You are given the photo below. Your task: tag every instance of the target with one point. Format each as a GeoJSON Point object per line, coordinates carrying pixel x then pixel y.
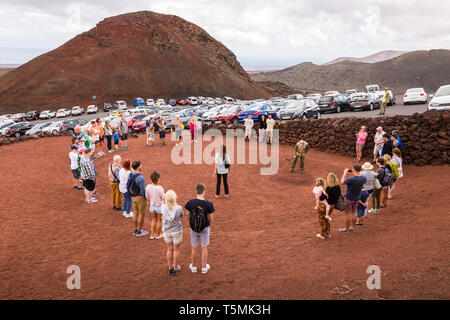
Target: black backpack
{"type": "Point", "coordinates": [197, 217]}
{"type": "Point", "coordinates": [132, 187]}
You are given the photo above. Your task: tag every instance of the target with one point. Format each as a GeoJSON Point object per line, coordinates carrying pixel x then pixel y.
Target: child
{"type": "Point", "coordinates": [154, 193]}
{"type": "Point", "coordinates": [74, 156]}
{"type": "Point", "coordinates": [116, 137]}
{"type": "Point", "coordinates": [151, 137]}
{"type": "Point", "coordinates": [361, 210]}
{"type": "Point", "coordinates": [321, 196]}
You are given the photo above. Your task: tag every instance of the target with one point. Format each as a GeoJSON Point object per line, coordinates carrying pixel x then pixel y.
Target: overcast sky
{"type": "Point", "coordinates": [259, 32]}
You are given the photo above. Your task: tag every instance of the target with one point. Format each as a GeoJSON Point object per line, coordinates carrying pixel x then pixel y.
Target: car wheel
{"type": "Point", "coordinates": [54, 132]}
{"type": "Point", "coordinates": [338, 109]}
{"type": "Point", "coordinates": [371, 107]}
{"type": "Point", "coordinates": [304, 116]}
{"type": "Point", "coordinates": [17, 135]}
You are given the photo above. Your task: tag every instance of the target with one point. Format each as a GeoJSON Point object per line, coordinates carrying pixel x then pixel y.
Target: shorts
{"type": "Point", "coordinates": [200, 238]}
{"type": "Point", "coordinates": [98, 141]}
{"type": "Point", "coordinates": [89, 185]}
{"type": "Point", "coordinates": [156, 209]}
{"type": "Point", "coordinates": [350, 205]}
{"type": "Point", "coordinates": [361, 212]}
{"type": "Point", "coordinates": [116, 141]}
{"type": "Point", "coordinates": [75, 174]}
{"type": "Point", "coordinates": [139, 204]}
{"type": "Point", "coordinates": [370, 191]}
{"type": "Point", "coordinates": [376, 149]}
{"type": "Point", "coordinates": [124, 136]}
{"type": "Point", "coordinates": [162, 134]}
{"type": "Point", "coordinates": [360, 145]}
{"type": "Point", "coordinates": [173, 237]}
{"type": "Point", "coordinates": [269, 133]}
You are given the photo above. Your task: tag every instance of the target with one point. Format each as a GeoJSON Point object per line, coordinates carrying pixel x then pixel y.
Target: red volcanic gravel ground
{"type": "Point", "coordinates": [263, 243]}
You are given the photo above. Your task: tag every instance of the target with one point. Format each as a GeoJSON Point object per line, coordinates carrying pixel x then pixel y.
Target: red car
{"type": "Point", "coordinates": [228, 115]}
{"type": "Point", "coordinates": [181, 102]}
{"type": "Point", "coordinates": [133, 119]}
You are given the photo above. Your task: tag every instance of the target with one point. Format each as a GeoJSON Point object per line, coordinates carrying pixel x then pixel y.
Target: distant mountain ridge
{"type": "Point", "coordinates": [373, 58]}
{"type": "Point", "coordinates": [427, 69]}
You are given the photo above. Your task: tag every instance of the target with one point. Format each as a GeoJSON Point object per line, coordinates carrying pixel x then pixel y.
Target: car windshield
{"type": "Point", "coordinates": [443, 91]}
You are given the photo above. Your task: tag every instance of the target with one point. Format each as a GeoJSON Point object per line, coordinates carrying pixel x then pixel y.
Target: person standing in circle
{"type": "Point", "coordinates": [262, 128]}
{"type": "Point", "coordinates": [193, 128]}
{"type": "Point", "coordinates": [108, 134]}
{"type": "Point", "coordinates": [361, 138]}
{"type": "Point", "coordinates": [221, 169]}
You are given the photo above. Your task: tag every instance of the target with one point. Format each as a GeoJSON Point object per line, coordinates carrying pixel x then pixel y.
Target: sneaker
{"type": "Point", "coordinates": [135, 233]}
{"type": "Point", "coordinates": [110, 151]}
{"type": "Point", "coordinates": [125, 214]}
{"type": "Point", "coordinates": [170, 272]}
{"type": "Point", "coordinates": [193, 269]}
{"type": "Point", "coordinates": [177, 268]}
{"type": "Point", "coordinates": [92, 200]}
{"type": "Point", "coordinates": [205, 270]}
{"type": "Point", "coordinates": [80, 188]}
{"type": "Point", "coordinates": [95, 194]}
{"type": "Point", "coordinates": [370, 211]}
{"type": "Point", "coordinates": [152, 238]}
{"type": "Point", "coordinates": [114, 208]}
{"type": "Point", "coordinates": [118, 209]}
{"type": "Point", "coordinates": [141, 233]}
{"type": "Point", "coordinates": [175, 272]}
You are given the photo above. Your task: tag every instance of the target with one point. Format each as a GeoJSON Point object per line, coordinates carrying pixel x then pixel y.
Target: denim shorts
{"type": "Point", "coordinates": [156, 209]}
{"type": "Point", "coordinates": [361, 212]}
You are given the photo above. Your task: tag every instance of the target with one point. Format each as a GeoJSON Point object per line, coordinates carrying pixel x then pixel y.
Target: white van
{"type": "Point", "coordinates": [296, 96]}
{"type": "Point", "coordinates": [372, 88]}
{"type": "Point", "coordinates": [228, 100]}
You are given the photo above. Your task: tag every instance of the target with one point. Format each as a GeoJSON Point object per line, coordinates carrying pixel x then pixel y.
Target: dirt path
{"type": "Point", "coordinates": [263, 243]}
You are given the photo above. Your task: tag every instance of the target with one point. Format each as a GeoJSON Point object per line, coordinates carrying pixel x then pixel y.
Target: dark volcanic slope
{"type": "Point", "coordinates": [141, 54]}
{"type": "Point", "coordinates": [427, 69]}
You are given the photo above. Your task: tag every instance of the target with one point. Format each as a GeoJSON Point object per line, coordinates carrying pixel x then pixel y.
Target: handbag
{"type": "Point", "coordinates": [340, 204]}
{"type": "Point", "coordinates": [376, 184]}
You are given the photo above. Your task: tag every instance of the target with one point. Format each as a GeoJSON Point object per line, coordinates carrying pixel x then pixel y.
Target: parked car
{"type": "Point", "coordinates": [334, 103]}
{"type": "Point", "coordinates": [119, 113]}
{"type": "Point", "coordinates": [228, 115]}
{"type": "Point", "coordinates": [441, 99]}
{"type": "Point", "coordinates": [61, 113]}
{"type": "Point", "coordinates": [217, 101]}
{"type": "Point", "coordinates": [69, 125]}
{"type": "Point", "coordinates": [309, 109]}
{"type": "Point", "coordinates": [54, 128]}
{"type": "Point", "coordinates": [150, 103]}
{"type": "Point", "coordinates": [92, 109]}
{"type": "Point", "coordinates": [415, 95]}
{"type": "Point", "coordinates": [364, 101]}
{"type": "Point", "coordinates": [4, 125]}
{"type": "Point", "coordinates": [295, 96]}
{"type": "Point", "coordinates": [45, 114]}
{"type": "Point", "coordinates": [133, 119]}
{"type": "Point", "coordinates": [77, 111]}
{"type": "Point", "coordinates": [16, 130]}
{"type": "Point", "coordinates": [289, 109]}
{"type": "Point", "coordinates": [314, 96]}
{"type": "Point", "coordinates": [350, 92]}
{"type": "Point", "coordinates": [160, 102]}
{"type": "Point", "coordinates": [193, 101]}
{"type": "Point", "coordinates": [257, 111]}
{"type": "Point", "coordinates": [32, 115]}
{"type": "Point", "coordinates": [37, 129]}
{"type": "Point", "coordinates": [211, 113]}
{"type": "Point", "coordinates": [120, 105]}
{"type": "Point", "coordinates": [210, 100]}
{"type": "Point", "coordinates": [172, 102]}
{"type": "Point", "coordinates": [331, 93]}
{"type": "Point", "coordinates": [107, 106]}
{"type": "Point", "coordinates": [139, 102]}
{"type": "Point", "coordinates": [392, 98]}
{"type": "Point", "coordinates": [228, 100]}
{"type": "Point", "coordinates": [19, 117]}
{"type": "Point", "coordinates": [181, 102]}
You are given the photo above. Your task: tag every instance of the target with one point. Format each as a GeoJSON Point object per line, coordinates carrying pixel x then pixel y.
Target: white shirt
{"type": "Point", "coordinates": [123, 178]}
{"type": "Point", "coordinates": [379, 137]}
{"type": "Point", "coordinates": [248, 123]}
{"type": "Point", "coordinates": [73, 160]}
{"type": "Point", "coordinates": [221, 164]}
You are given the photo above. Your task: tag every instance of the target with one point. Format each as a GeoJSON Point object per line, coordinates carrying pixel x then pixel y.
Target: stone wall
{"type": "Point", "coordinates": [426, 135]}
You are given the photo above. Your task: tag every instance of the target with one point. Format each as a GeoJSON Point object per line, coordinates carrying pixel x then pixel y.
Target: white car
{"type": "Point", "coordinates": [61, 113]}
{"type": "Point", "coordinates": [296, 96]}
{"type": "Point", "coordinates": [92, 109]}
{"type": "Point", "coordinates": [331, 93]}
{"type": "Point", "coordinates": [210, 100]}
{"type": "Point", "coordinates": [52, 114]}
{"type": "Point", "coordinates": [160, 102]}
{"type": "Point", "coordinates": [228, 100]}
{"type": "Point", "coordinates": [193, 101]}
{"type": "Point", "coordinates": [121, 105]}
{"type": "Point", "coordinates": [441, 99]}
{"type": "Point", "coordinates": [415, 95]}
{"type": "Point", "coordinates": [54, 128]}
{"type": "Point", "coordinates": [45, 114]}
{"type": "Point", "coordinates": [218, 101]}
{"type": "Point", "coordinates": [372, 88]}
{"type": "Point", "coordinates": [77, 111]}
{"type": "Point", "coordinates": [150, 103]}
{"type": "Point", "coordinates": [351, 91]}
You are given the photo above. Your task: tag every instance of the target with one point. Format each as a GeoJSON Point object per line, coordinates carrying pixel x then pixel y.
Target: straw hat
{"type": "Point", "coordinates": [367, 166]}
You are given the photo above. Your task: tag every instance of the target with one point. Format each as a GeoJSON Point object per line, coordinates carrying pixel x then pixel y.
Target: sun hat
{"type": "Point", "coordinates": [367, 166]}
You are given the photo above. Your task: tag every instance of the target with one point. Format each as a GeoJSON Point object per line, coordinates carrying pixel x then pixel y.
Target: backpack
{"type": "Point", "coordinates": [197, 218]}
{"type": "Point", "coordinates": [394, 170]}
{"type": "Point", "coordinates": [132, 187]}
{"type": "Point", "coordinates": [387, 178]}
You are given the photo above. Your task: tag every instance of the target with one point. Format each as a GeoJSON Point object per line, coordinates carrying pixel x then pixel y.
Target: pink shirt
{"type": "Point", "coordinates": [155, 194]}
{"type": "Point", "coordinates": [362, 136]}
{"type": "Point", "coordinates": [317, 190]}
